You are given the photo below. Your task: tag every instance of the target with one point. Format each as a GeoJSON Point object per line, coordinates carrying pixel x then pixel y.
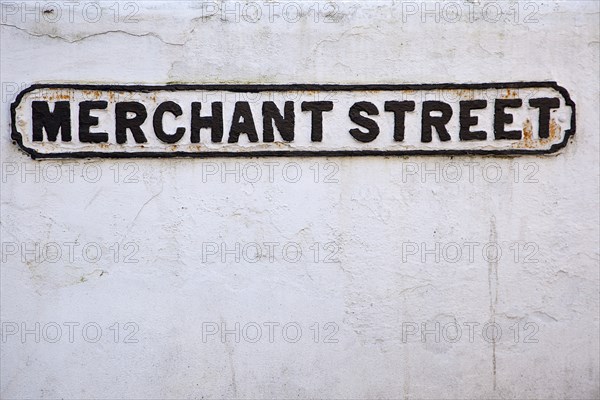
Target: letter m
{"type": "Point", "coordinates": [60, 118]}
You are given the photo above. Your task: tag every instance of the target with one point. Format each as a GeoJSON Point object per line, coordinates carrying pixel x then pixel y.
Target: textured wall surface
{"type": "Point", "coordinates": [375, 277]}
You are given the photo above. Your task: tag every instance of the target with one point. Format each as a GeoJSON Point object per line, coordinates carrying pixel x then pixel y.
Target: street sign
{"type": "Point", "coordinates": [64, 121]}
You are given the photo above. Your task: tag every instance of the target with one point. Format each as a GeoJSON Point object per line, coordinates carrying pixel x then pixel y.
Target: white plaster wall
{"type": "Point", "coordinates": [371, 211]}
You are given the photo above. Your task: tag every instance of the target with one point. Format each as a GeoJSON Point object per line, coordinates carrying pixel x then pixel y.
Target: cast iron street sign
{"type": "Point", "coordinates": [68, 121]}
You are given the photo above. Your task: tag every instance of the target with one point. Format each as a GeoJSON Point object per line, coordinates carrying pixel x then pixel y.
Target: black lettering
{"type": "Point", "coordinates": [501, 119]}
{"type": "Point", "coordinates": [285, 125]}
{"type": "Point", "coordinates": [399, 108]}
{"type": "Point", "coordinates": [428, 121]}
{"type": "Point", "coordinates": [214, 122]}
{"type": "Point", "coordinates": [242, 110]}
{"type": "Point", "coordinates": [317, 108]}
{"type": "Point", "coordinates": [545, 104]}
{"type": "Point", "coordinates": [467, 120]}
{"type": "Point", "coordinates": [122, 123]}
{"type": "Point", "coordinates": [371, 125]}
{"type": "Point", "coordinates": [59, 119]}
{"type": "Point", "coordinates": [173, 108]}
{"type": "Point", "coordinates": [86, 121]}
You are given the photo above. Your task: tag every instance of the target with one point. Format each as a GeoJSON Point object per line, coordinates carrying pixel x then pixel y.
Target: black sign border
{"type": "Point", "coordinates": [249, 88]}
